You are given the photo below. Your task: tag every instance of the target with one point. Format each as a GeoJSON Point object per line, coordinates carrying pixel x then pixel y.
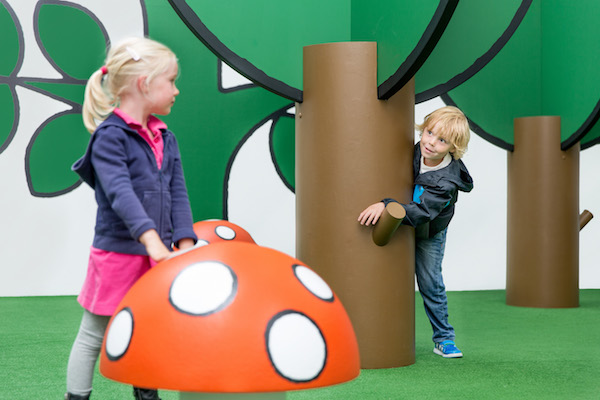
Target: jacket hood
{"type": "Point", "coordinates": [455, 173]}
{"type": "Point", "coordinates": [83, 167]}
{"type": "Point", "coordinates": [462, 179]}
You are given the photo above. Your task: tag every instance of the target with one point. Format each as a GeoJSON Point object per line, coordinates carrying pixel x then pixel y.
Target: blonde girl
{"type": "Point", "coordinates": [133, 164]}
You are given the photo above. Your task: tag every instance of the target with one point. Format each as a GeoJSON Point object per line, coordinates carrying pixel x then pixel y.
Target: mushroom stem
{"type": "Point", "coordinates": [232, 396]}
{"type": "Point", "coordinates": [390, 220]}
{"type": "Point", "coordinates": [584, 218]}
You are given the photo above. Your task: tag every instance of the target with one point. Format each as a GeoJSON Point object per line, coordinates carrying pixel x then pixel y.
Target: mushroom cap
{"type": "Point", "coordinates": [216, 230]}
{"type": "Point", "coordinates": [230, 317]}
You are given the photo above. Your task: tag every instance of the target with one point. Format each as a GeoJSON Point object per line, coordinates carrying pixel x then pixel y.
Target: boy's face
{"type": "Point", "coordinates": [433, 147]}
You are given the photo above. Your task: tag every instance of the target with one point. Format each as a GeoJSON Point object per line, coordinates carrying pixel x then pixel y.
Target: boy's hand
{"type": "Point", "coordinates": [154, 246]}
{"type": "Point", "coordinates": [371, 214]}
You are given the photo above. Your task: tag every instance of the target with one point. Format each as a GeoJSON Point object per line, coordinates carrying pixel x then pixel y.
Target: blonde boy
{"type": "Point", "coordinates": [439, 175]}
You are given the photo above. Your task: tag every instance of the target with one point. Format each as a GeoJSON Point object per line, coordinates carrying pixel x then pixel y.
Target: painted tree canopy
{"type": "Point", "coordinates": [266, 44]}
{"type": "Point", "coordinates": [548, 67]}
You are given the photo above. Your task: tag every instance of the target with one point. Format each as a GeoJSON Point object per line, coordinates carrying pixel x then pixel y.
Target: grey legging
{"type": "Point", "coordinates": [84, 354]}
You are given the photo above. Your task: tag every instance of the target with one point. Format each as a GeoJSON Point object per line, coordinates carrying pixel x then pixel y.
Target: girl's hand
{"type": "Point", "coordinates": [185, 243]}
{"type": "Point", "coordinates": [154, 246]}
{"type": "Point", "coordinates": [371, 214]}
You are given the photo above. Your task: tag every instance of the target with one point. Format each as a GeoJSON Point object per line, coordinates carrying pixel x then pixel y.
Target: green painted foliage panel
{"type": "Point", "coordinates": [9, 44]}
{"type": "Point", "coordinates": [571, 61]}
{"type": "Point", "coordinates": [77, 34]}
{"type": "Point", "coordinates": [271, 33]}
{"type": "Point", "coordinates": [509, 86]}
{"type": "Point", "coordinates": [8, 114]}
{"type": "Point", "coordinates": [208, 124]}
{"type": "Point", "coordinates": [284, 148]}
{"type": "Point", "coordinates": [474, 28]}
{"type": "Point", "coordinates": [71, 92]}
{"type": "Point", "coordinates": [54, 151]}
{"type": "Point", "coordinates": [592, 137]}
{"type": "Point", "coordinates": [396, 26]}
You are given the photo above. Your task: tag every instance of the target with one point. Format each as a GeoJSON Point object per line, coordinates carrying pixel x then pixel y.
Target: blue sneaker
{"type": "Point", "coordinates": [447, 349]}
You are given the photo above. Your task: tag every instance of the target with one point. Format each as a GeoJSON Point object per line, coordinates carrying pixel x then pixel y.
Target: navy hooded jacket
{"type": "Point", "coordinates": [133, 195]}
{"type": "Point", "coordinates": [435, 194]}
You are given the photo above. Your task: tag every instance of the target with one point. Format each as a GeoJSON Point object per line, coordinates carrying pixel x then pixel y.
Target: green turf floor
{"type": "Point", "coordinates": [510, 353]}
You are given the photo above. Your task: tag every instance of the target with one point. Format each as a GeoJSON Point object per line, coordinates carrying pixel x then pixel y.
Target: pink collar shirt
{"type": "Point", "coordinates": [154, 125]}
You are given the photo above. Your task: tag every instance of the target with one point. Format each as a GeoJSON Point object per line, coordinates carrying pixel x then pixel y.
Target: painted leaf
{"type": "Point", "coordinates": [9, 45]}
{"type": "Point", "coordinates": [76, 45]}
{"type": "Point", "coordinates": [62, 139]}
{"type": "Point", "coordinates": [57, 144]}
{"type": "Point", "coordinates": [9, 64]}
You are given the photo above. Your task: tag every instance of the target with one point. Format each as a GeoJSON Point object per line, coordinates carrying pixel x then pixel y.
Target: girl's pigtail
{"type": "Point", "coordinates": [97, 103]}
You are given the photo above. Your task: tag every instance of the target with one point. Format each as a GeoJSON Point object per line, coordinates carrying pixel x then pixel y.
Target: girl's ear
{"type": "Point", "coordinates": [141, 84]}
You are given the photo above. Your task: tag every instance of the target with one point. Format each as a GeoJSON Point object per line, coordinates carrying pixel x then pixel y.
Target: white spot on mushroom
{"type": "Point", "coordinates": [296, 346]}
{"type": "Point", "coordinates": [313, 282]}
{"type": "Point", "coordinates": [203, 288]}
{"type": "Point", "coordinates": [119, 334]}
{"type": "Point", "coordinates": [200, 243]}
{"type": "Point", "coordinates": [225, 232]}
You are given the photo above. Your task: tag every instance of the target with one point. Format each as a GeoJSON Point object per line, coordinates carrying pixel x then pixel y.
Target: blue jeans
{"type": "Point", "coordinates": [428, 268]}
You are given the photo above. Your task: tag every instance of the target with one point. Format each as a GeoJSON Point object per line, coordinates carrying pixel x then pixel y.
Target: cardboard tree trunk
{"type": "Point", "coordinates": [543, 217]}
{"type": "Point", "coordinates": [352, 150]}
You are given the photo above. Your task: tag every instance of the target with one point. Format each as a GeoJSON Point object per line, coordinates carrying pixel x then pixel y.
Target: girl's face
{"type": "Point", "coordinates": [162, 91]}
{"type": "Point", "coordinates": [433, 147]}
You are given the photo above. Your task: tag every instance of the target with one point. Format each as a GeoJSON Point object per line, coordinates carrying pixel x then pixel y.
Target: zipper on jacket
{"type": "Point", "coordinates": [160, 225]}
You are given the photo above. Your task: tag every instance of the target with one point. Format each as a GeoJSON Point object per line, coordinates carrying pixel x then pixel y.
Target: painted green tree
{"type": "Point", "coordinates": [549, 67]}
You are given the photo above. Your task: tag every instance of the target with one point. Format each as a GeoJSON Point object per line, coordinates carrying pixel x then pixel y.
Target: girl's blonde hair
{"type": "Point", "coordinates": [454, 128]}
{"type": "Point", "coordinates": [125, 61]}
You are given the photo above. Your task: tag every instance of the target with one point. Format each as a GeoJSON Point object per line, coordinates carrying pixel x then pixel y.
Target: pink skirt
{"type": "Point", "coordinates": [109, 276]}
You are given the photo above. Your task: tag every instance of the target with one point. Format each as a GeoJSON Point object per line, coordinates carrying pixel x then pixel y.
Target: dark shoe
{"type": "Point", "coordinates": [145, 394]}
{"type": "Point", "coordinates": [69, 396]}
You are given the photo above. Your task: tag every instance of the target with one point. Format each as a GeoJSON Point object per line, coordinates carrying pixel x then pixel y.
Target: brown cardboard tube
{"type": "Point", "coordinates": [542, 250]}
{"type": "Point", "coordinates": [390, 220]}
{"type": "Point", "coordinates": [584, 218]}
{"type": "Point", "coordinates": [351, 149]}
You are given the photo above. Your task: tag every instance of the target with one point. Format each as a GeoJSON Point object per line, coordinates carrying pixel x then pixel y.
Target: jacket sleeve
{"type": "Point", "coordinates": [181, 212]}
{"type": "Point", "coordinates": [109, 158]}
{"type": "Point", "coordinates": [428, 203]}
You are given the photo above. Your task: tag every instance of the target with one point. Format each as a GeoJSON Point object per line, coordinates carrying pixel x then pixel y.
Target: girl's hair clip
{"type": "Point", "coordinates": [104, 70]}
{"type": "Point", "coordinates": [134, 55]}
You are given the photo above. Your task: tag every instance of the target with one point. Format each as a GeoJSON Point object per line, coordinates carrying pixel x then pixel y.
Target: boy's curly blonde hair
{"type": "Point", "coordinates": [454, 128]}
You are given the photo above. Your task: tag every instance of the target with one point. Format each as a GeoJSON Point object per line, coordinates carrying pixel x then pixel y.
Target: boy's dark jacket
{"type": "Point", "coordinates": [435, 194]}
{"type": "Point", "coordinates": [133, 195]}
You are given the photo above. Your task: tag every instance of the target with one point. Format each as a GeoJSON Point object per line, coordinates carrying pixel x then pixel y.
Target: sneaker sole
{"type": "Point", "coordinates": [452, 355]}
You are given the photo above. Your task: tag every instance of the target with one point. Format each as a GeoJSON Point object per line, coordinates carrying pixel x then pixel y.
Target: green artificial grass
{"type": "Point", "coordinates": [510, 353]}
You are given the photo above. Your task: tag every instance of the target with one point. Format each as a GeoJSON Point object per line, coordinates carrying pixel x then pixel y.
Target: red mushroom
{"type": "Point", "coordinates": [214, 230]}
{"type": "Point", "coordinates": [218, 230]}
{"type": "Point", "coordinates": [232, 317]}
